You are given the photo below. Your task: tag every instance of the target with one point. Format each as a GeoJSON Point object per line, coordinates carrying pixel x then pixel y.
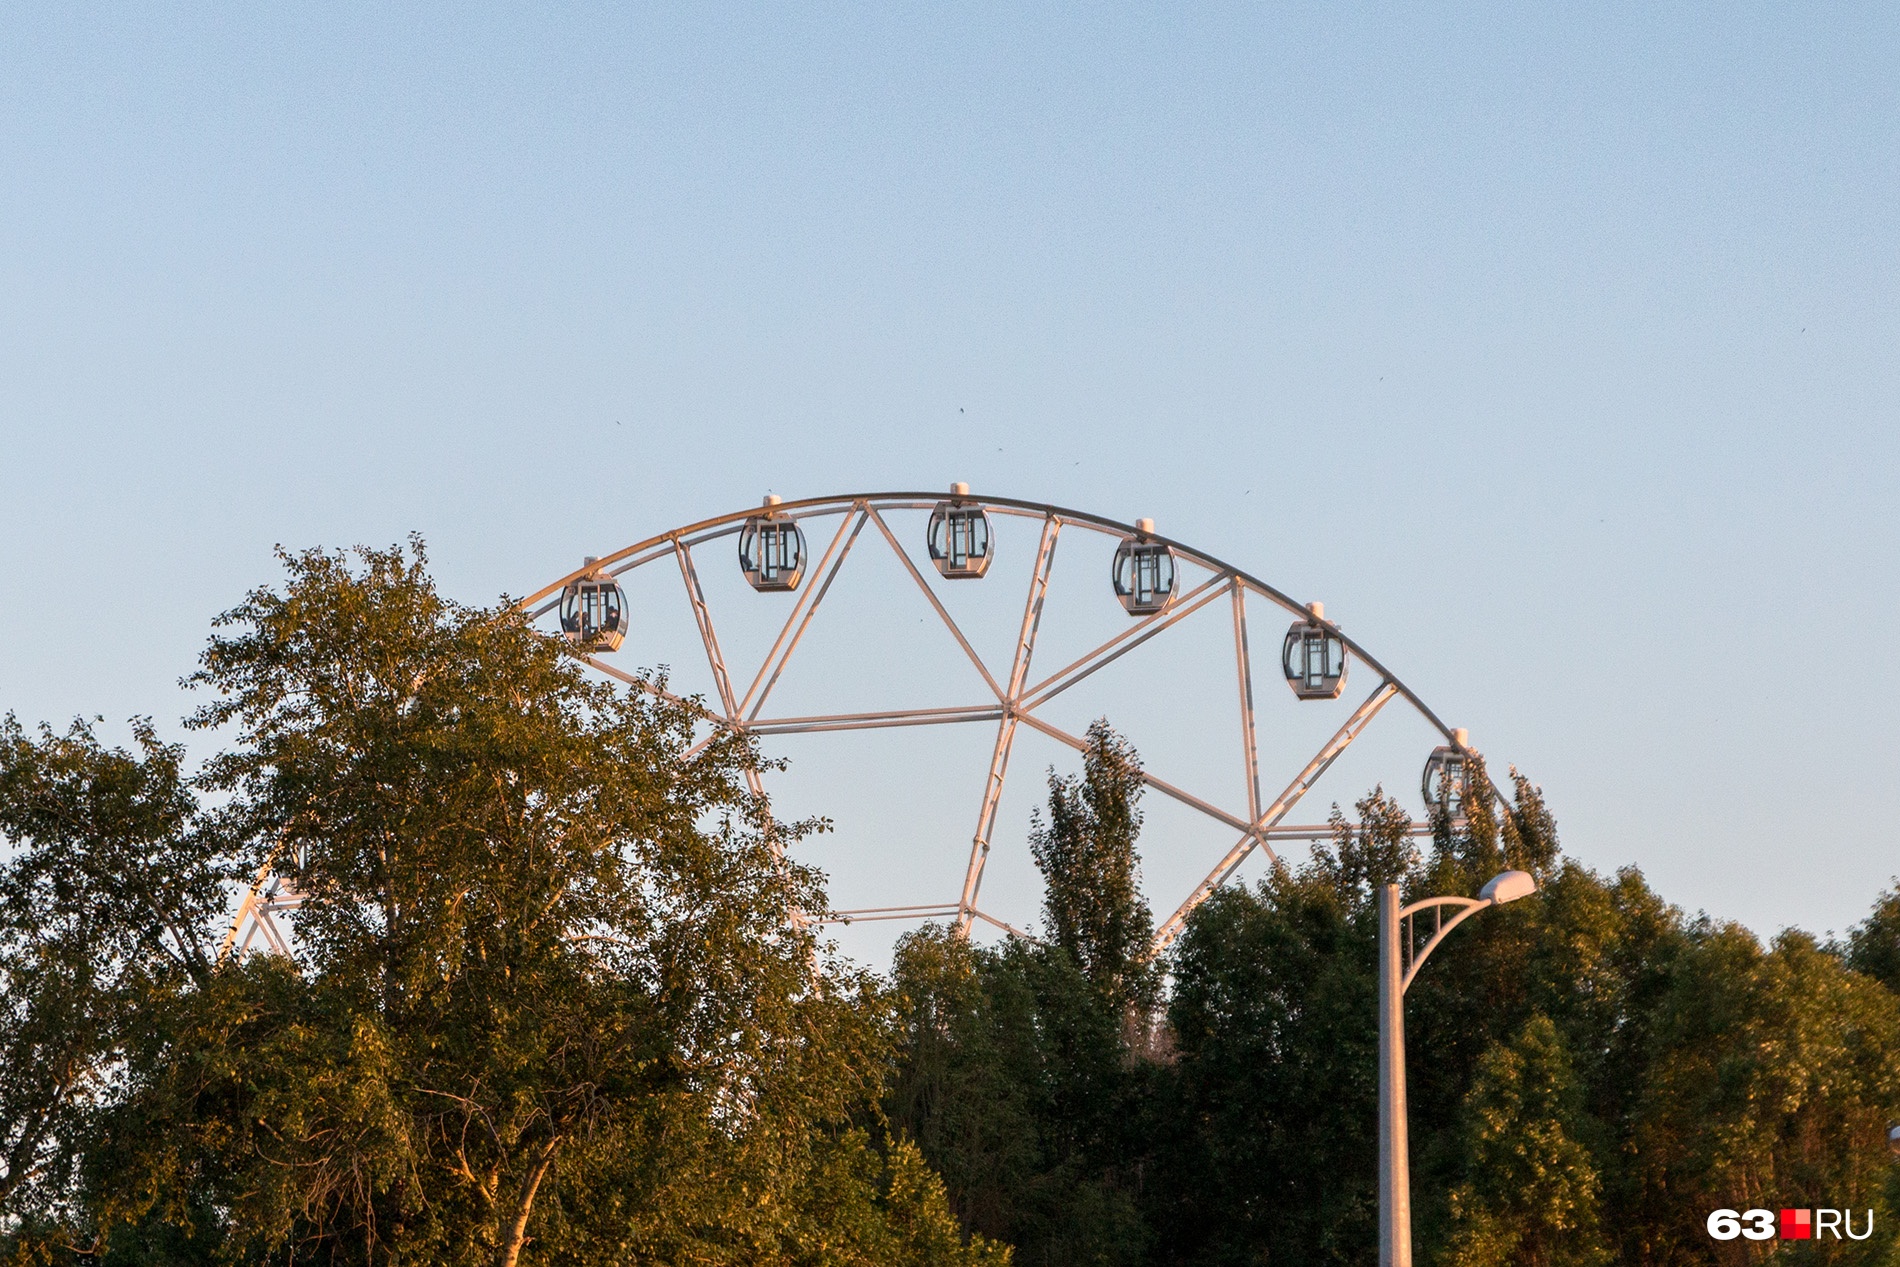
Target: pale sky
{"type": "Point", "coordinates": [1554, 348]}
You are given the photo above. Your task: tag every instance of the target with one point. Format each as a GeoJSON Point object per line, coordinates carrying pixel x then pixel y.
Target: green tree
{"type": "Point", "coordinates": [1023, 1071]}
{"type": "Point", "coordinates": [1092, 903]}
{"type": "Point", "coordinates": [1269, 1151]}
{"type": "Point", "coordinates": [1264, 1153]}
{"type": "Point", "coordinates": [862, 1207]}
{"type": "Point", "coordinates": [1531, 1193]}
{"type": "Point", "coordinates": [1773, 1078]}
{"type": "Point", "coordinates": [1873, 947]}
{"type": "Point", "coordinates": [1016, 1080]}
{"type": "Point", "coordinates": [553, 1002]}
{"type": "Point", "coordinates": [107, 884]}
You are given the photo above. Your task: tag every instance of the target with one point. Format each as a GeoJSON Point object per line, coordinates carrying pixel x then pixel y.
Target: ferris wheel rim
{"type": "Point", "coordinates": [842, 503]}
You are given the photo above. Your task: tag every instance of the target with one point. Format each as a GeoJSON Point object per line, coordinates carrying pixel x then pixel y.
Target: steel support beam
{"type": "Point", "coordinates": [937, 603]}
{"type": "Point", "coordinates": [1124, 642]}
{"type": "Point", "coordinates": [1160, 785]}
{"type": "Point", "coordinates": [1006, 728]}
{"type": "Point", "coordinates": [872, 721]}
{"type": "Point", "coordinates": [1243, 670]}
{"type": "Point", "coordinates": [722, 681]}
{"type": "Point", "coordinates": [802, 611]}
{"type": "Point", "coordinates": [1282, 805]}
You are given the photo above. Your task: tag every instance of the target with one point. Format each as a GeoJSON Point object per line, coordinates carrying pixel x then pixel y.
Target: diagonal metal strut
{"type": "Point", "coordinates": [1282, 805]}
{"type": "Point", "coordinates": [1243, 662]}
{"type": "Point", "coordinates": [1006, 728]}
{"type": "Point", "coordinates": [1124, 642]}
{"type": "Point", "coordinates": [937, 603]}
{"type": "Point", "coordinates": [802, 611]}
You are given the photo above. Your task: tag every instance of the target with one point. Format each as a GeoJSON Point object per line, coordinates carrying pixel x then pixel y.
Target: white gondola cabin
{"type": "Point", "coordinates": [1314, 657]}
{"type": "Point", "coordinates": [594, 613]}
{"type": "Point", "coordinates": [959, 537]}
{"type": "Point", "coordinates": [1447, 775]}
{"type": "Point", "coordinates": [772, 551]}
{"type": "Point", "coordinates": [1144, 572]}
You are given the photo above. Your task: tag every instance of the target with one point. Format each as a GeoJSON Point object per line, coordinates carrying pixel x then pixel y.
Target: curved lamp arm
{"type": "Point", "coordinates": [1505, 887]}
{"type": "Point", "coordinates": [1469, 906]}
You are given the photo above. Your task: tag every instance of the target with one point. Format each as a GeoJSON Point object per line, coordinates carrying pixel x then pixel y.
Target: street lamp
{"type": "Point", "coordinates": [1395, 977]}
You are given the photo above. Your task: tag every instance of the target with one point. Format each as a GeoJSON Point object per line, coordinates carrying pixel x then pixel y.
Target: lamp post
{"type": "Point", "coordinates": [1398, 964]}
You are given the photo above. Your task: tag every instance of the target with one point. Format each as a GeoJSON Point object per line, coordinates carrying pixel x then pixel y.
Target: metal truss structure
{"type": "Point", "coordinates": [1016, 693]}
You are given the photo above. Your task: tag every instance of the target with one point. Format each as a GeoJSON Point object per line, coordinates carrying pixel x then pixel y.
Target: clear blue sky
{"type": "Point", "coordinates": [1554, 346]}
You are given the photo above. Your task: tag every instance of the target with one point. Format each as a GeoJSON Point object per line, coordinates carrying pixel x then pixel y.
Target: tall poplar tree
{"type": "Point", "coordinates": [1091, 872]}
{"type": "Point", "coordinates": [1021, 1070]}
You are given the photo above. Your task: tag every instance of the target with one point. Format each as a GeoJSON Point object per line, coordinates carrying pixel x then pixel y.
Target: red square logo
{"type": "Point", "coordinates": [1797, 1225]}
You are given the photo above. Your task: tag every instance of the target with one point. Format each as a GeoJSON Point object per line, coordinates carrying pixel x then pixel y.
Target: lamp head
{"type": "Point", "coordinates": [1893, 1139]}
{"type": "Point", "coordinates": [1507, 886]}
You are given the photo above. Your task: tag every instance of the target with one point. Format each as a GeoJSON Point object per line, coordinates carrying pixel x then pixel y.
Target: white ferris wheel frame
{"type": "Point", "coordinates": [1016, 696]}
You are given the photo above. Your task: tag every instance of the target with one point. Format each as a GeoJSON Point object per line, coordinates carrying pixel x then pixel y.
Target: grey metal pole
{"type": "Point", "coordinates": [1395, 1178]}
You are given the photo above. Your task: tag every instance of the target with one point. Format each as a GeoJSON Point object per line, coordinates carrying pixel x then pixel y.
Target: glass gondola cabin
{"type": "Point", "coordinates": [1314, 658]}
{"type": "Point", "coordinates": [772, 551]}
{"type": "Point", "coordinates": [594, 613]}
{"type": "Point", "coordinates": [1144, 572]}
{"type": "Point", "coordinates": [959, 537]}
{"type": "Point", "coordinates": [1447, 773]}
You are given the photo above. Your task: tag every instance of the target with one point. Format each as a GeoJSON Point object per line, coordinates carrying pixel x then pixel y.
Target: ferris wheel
{"type": "Point", "coordinates": [676, 599]}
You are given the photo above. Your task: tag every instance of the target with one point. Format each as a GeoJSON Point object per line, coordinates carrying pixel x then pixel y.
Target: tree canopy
{"type": "Point", "coordinates": [1592, 1072]}
{"type": "Point", "coordinates": [553, 999]}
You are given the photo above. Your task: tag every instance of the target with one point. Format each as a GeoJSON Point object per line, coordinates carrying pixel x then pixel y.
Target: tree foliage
{"type": "Point", "coordinates": [1532, 1191]}
{"type": "Point", "coordinates": [1591, 1072]}
{"type": "Point", "coordinates": [1092, 904]}
{"type": "Point", "coordinates": [1874, 946]}
{"type": "Point", "coordinates": [553, 1000]}
{"type": "Point", "coordinates": [1022, 1069]}
{"type": "Point", "coordinates": [105, 897]}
